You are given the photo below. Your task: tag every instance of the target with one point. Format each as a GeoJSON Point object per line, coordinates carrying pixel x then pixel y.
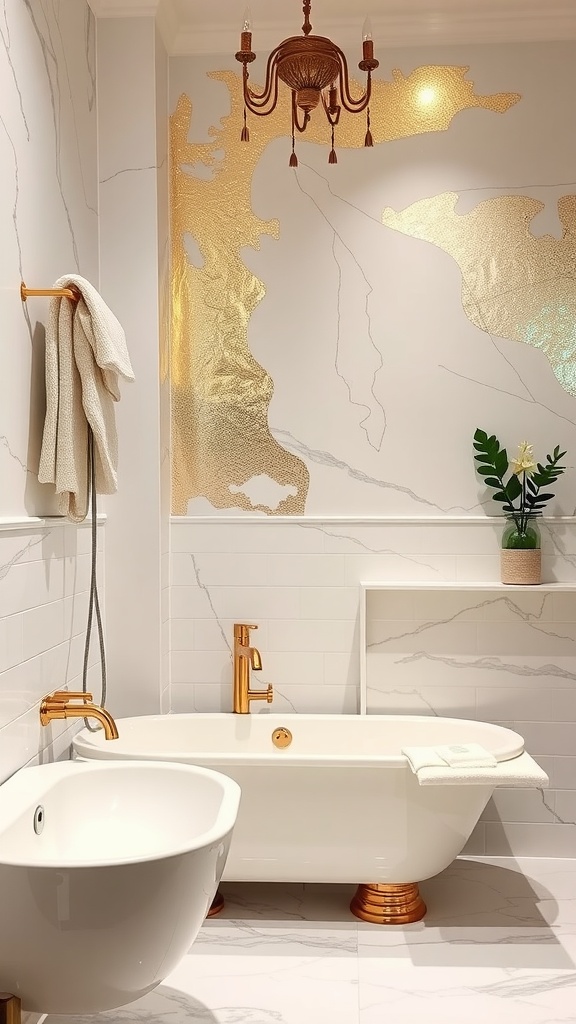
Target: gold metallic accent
{"type": "Point", "coordinates": [61, 704]}
{"type": "Point", "coordinates": [388, 904]}
{"type": "Point", "coordinates": [246, 657]}
{"type": "Point", "coordinates": [282, 737]}
{"type": "Point", "coordinates": [71, 293]}
{"type": "Point", "coordinates": [515, 284]}
{"type": "Point", "coordinates": [314, 69]}
{"type": "Point", "coordinates": [220, 394]}
{"type": "Point", "coordinates": [216, 907]}
{"type": "Point", "coordinates": [10, 1009]}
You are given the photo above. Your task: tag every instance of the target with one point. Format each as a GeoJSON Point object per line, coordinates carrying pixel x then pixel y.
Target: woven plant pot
{"type": "Point", "coordinates": [521, 566]}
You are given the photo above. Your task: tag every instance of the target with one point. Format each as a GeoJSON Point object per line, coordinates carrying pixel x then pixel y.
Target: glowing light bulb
{"type": "Point", "coordinates": [247, 21]}
{"type": "Point", "coordinates": [367, 31]}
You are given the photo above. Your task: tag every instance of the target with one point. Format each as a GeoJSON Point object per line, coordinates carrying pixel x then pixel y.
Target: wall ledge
{"type": "Point", "coordinates": [23, 523]}
{"type": "Point", "coordinates": [251, 520]}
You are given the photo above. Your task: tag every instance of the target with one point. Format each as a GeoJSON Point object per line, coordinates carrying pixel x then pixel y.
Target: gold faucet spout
{"type": "Point", "coordinates": [245, 658]}
{"type": "Point", "coordinates": [65, 704]}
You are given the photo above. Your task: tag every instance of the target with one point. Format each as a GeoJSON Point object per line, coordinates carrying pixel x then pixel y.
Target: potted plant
{"type": "Point", "coordinates": [523, 497]}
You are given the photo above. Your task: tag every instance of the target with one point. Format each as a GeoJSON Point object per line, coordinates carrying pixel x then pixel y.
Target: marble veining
{"type": "Point", "coordinates": [48, 208]}
{"type": "Point", "coordinates": [498, 943]}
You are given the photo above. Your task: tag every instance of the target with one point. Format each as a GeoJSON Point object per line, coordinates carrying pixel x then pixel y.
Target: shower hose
{"type": "Point", "coordinates": [93, 601]}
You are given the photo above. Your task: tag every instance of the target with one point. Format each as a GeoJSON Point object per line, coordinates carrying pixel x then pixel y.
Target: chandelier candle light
{"type": "Point", "coordinates": [316, 71]}
{"type": "Point", "coordinates": [520, 555]}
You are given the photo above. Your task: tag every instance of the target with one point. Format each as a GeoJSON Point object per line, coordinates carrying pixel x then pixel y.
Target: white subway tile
{"type": "Point", "coordinates": [306, 635]}
{"type": "Point", "coordinates": [527, 805]}
{"type": "Point", "coordinates": [251, 604]}
{"type": "Point", "coordinates": [400, 568]}
{"type": "Point", "coordinates": [533, 839]}
{"type": "Point", "coordinates": [43, 628]}
{"type": "Point", "coordinates": [328, 603]}
{"type": "Point", "coordinates": [189, 602]}
{"type": "Point", "coordinates": [201, 667]}
{"type": "Point", "coordinates": [11, 642]}
{"type": "Point", "coordinates": [306, 570]}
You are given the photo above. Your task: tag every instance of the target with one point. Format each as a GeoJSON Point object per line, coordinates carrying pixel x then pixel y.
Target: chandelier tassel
{"type": "Point", "coordinates": [293, 158]}
{"type": "Point", "coordinates": [245, 133]}
{"type": "Point", "coordinates": [368, 140]}
{"type": "Point", "coordinates": [332, 159]}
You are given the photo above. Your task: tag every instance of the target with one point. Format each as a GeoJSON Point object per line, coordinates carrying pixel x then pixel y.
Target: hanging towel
{"type": "Point", "coordinates": [520, 771]}
{"type": "Point", "coordinates": [86, 355]}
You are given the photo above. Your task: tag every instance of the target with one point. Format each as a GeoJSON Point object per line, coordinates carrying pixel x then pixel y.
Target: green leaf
{"type": "Point", "coordinates": [480, 435]}
{"type": "Point", "coordinates": [513, 488]}
{"type": "Point", "coordinates": [492, 481]}
{"type": "Point", "coordinates": [500, 496]}
{"type": "Point", "coordinates": [486, 471]}
{"type": "Point", "coordinates": [501, 462]}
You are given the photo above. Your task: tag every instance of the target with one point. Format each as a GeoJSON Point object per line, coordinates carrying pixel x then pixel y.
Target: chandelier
{"type": "Point", "coordinates": [316, 72]}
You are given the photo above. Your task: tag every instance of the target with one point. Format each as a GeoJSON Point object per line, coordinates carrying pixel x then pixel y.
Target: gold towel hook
{"type": "Point", "coordinates": [65, 293]}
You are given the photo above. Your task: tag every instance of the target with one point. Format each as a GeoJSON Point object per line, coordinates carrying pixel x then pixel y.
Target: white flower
{"type": "Point", "coordinates": [524, 461]}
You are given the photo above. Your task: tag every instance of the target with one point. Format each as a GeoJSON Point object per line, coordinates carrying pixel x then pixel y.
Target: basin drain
{"type": "Point", "coordinates": [282, 737]}
{"type": "Point", "coordinates": [38, 819]}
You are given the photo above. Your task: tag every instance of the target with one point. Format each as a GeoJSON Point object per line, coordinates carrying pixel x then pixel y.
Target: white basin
{"type": "Point", "coordinates": [99, 906]}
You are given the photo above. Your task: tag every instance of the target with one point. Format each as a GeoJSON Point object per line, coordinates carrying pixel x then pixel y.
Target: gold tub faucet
{"type": "Point", "coordinates": [65, 704]}
{"type": "Point", "coordinates": [245, 658]}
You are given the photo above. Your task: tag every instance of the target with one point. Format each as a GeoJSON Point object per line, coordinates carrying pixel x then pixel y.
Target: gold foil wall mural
{"type": "Point", "coordinates": [220, 394]}
{"type": "Point", "coordinates": [514, 284]}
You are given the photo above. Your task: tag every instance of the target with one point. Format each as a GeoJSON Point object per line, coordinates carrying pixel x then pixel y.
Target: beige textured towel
{"type": "Point", "coordinates": [85, 356]}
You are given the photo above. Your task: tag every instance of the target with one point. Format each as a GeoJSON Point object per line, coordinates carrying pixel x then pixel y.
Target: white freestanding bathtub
{"type": "Point", "coordinates": [339, 804]}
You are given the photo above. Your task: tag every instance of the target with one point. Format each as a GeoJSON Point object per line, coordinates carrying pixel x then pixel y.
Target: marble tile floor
{"type": "Point", "coordinates": [498, 946]}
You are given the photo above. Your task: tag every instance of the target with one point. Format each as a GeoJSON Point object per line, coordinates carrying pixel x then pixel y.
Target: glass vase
{"type": "Point", "coordinates": [520, 559]}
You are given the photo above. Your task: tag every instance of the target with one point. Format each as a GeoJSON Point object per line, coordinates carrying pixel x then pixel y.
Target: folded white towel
{"type": "Point", "coordinates": [85, 355]}
{"type": "Point", "coordinates": [467, 755]}
{"type": "Point", "coordinates": [423, 757]}
{"type": "Point", "coordinates": [520, 771]}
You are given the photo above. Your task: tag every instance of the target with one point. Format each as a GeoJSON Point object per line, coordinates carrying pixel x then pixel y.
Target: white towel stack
{"type": "Point", "coordinates": [86, 355]}
{"type": "Point", "coordinates": [471, 764]}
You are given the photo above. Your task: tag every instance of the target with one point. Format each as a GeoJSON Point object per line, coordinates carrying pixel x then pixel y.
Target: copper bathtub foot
{"type": "Point", "coordinates": [10, 1009]}
{"type": "Point", "coordinates": [217, 904]}
{"type": "Point", "coordinates": [388, 904]}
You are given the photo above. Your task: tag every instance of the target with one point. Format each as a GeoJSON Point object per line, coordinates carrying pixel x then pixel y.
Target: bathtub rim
{"type": "Point", "coordinates": [87, 745]}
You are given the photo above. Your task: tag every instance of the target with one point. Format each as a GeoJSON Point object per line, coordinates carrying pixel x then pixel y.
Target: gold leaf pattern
{"type": "Point", "coordinates": [220, 394]}
{"type": "Point", "coordinates": [514, 284]}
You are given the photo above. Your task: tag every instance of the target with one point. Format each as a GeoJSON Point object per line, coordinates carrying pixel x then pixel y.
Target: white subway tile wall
{"type": "Point", "coordinates": [44, 585]}
{"type": "Point", "coordinates": [508, 658]}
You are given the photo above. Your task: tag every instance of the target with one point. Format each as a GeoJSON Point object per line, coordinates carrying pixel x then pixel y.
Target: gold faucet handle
{"type": "Point", "coordinates": [62, 696]}
{"type": "Point", "coordinates": [267, 695]}
{"type": "Point", "coordinates": [241, 632]}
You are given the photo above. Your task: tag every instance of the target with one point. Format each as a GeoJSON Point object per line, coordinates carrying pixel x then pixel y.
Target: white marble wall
{"type": "Point", "coordinates": [132, 115]}
{"type": "Point", "coordinates": [44, 587]}
{"type": "Point", "coordinates": [380, 379]}
{"type": "Point", "coordinates": [48, 227]}
{"type": "Point", "coordinates": [512, 661]}
{"type": "Point", "coordinates": [48, 212]}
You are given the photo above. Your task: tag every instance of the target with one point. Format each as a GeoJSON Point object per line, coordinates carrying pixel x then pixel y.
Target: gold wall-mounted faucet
{"type": "Point", "coordinates": [245, 658]}
{"type": "Point", "coordinates": [65, 704]}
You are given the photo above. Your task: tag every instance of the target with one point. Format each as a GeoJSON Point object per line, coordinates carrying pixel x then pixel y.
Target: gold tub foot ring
{"type": "Point", "coordinates": [10, 1009]}
{"type": "Point", "coordinates": [217, 904]}
{"type": "Point", "coordinates": [388, 904]}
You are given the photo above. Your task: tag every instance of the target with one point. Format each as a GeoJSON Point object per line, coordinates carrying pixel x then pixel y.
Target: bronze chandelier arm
{"type": "Point", "coordinates": [348, 102]}
{"type": "Point", "coordinates": [295, 123]}
{"type": "Point", "coordinates": [257, 101]}
{"type": "Point", "coordinates": [333, 119]}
